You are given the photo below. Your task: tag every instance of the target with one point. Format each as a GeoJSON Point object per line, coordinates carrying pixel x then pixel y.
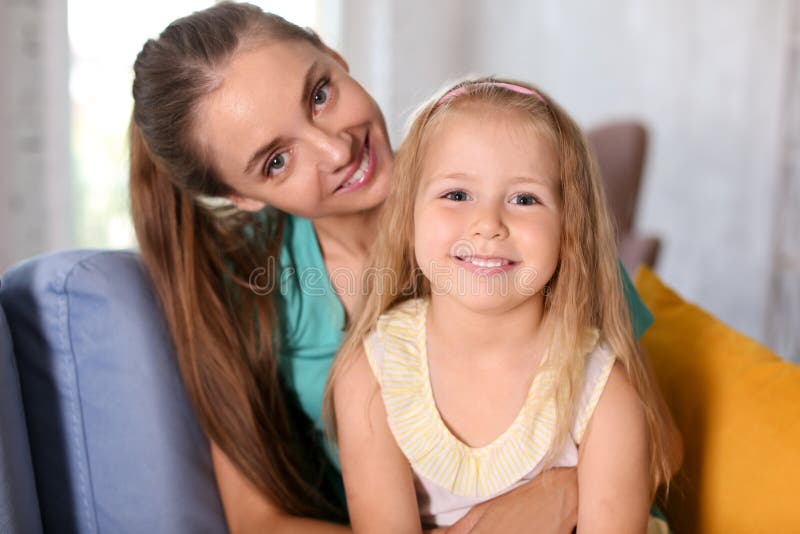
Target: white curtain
{"type": "Point", "coordinates": [34, 138]}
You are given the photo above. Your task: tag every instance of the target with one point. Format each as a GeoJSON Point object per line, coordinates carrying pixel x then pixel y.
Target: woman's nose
{"type": "Point", "coordinates": [336, 148]}
{"type": "Point", "coordinates": [488, 223]}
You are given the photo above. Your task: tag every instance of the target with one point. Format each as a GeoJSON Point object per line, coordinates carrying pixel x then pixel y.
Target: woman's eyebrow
{"type": "Point", "coordinates": [259, 154]}
{"type": "Point", "coordinates": [305, 96]}
{"type": "Point", "coordinates": [308, 82]}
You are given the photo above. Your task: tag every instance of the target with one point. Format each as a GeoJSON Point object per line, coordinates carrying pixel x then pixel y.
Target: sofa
{"type": "Point", "coordinates": [110, 443]}
{"type": "Point", "coordinates": [97, 434]}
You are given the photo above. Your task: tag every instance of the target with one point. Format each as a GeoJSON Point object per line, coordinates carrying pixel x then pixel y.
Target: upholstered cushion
{"type": "Point", "coordinates": [738, 408]}
{"type": "Point", "coordinates": [114, 441]}
{"type": "Point", "coordinates": [19, 509]}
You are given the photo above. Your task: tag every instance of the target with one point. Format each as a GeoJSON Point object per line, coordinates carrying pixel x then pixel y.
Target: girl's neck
{"type": "Point", "coordinates": [509, 337]}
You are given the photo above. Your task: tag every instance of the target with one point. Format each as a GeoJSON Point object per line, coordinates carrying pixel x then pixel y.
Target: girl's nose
{"type": "Point", "coordinates": [489, 223]}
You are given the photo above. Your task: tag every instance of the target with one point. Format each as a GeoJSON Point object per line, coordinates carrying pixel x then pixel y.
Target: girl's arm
{"type": "Point", "coordinates": [613, 463]}
{"type": "Point", "coordinates": [377, 476]}
{"type": "Point", "coordinates": [248, 511]}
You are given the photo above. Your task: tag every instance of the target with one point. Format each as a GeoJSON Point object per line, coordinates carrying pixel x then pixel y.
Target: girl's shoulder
{"type": "Point", "coordinates": [597, 369]}
{"type": "Point", "coordinates": [397, 337]}
{"type": "Point", "coordinates": [408, 313]}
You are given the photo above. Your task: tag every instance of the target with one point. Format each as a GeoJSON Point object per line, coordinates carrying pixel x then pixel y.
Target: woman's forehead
{"type": "Point", "coordinates": [260, 94]}
{"type": "Point", "coordinates": [281, 63]}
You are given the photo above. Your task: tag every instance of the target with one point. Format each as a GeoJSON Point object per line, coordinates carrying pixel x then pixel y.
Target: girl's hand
{"type": "Point", "coordinates": [548, 504]}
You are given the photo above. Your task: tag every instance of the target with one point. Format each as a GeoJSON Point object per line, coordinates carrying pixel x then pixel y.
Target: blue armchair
{"type": "Point", "coordinates": [112, 443]}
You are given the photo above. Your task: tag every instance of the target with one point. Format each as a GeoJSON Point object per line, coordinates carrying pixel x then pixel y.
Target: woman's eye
{"type": "Point", "coordinates": [524, 199]}
{"type": "Point", "coordinates": [320, 96]}
{"type": "Point", "coordinates": [275, 164]}
{"type": "Point", "coordinates": [457, 196]}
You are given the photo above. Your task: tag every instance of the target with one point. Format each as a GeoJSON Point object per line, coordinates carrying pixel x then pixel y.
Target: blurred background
{"type": "Point", "coordinates": [715, 82]}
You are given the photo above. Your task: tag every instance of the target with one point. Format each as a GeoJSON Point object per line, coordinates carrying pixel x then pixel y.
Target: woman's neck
{"type": "Point", "coordinates": [349, 235]}
{"type": "Point", "coordinates": [488, 339]}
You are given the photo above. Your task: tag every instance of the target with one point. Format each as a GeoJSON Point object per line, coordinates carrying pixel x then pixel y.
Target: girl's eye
{"type": "Point", "coordinates": [275, 164]}
{"type": "Point", "coordinates": [457, 196]}
{"type": "Point", "coordinates": [524, 199]}
{"type": "Point", "coordinates": [320, 96]}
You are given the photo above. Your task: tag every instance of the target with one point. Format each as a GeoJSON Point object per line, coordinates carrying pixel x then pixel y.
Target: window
{"type": "Point", "coordinates": [102, 56]}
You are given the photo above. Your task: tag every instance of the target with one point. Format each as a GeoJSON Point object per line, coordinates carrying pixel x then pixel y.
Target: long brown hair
{"type": "Point", "coordinates": [200, 254]}
{"type": "Point", "coordinates": [585, 292]}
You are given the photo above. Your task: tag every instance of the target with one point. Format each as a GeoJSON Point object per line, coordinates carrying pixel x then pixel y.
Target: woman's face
{"type": "Point", "coordinates": [289, 127]}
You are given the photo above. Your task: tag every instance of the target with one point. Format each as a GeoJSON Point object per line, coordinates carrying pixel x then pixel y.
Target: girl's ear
{"type": "Point", "coordinates": [245, 203]}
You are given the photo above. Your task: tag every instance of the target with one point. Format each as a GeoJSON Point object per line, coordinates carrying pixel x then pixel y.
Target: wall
{"type": "Point", "coordinates": [783, 315]}
{"type": "Point", "coordinates": [709, 77]}
{"type": "Point", "coordinates": [706, 76]}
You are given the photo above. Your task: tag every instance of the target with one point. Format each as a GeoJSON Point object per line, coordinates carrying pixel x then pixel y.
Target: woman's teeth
{"type": "Point", "coordinates": [360, 172]}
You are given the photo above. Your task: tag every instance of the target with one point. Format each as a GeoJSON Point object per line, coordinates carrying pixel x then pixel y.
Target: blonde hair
{"type": "Point", "coordinates": [585, 292]}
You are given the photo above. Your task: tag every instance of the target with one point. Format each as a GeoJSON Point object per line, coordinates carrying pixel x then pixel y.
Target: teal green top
{"type": "Point", "coordinates": [641, 318]}
{"type": "Point", "coordinates": [312, 317]}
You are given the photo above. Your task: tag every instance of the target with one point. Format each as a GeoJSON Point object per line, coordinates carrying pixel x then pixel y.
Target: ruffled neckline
{"type": "Point", "coordinates": [430, 446]}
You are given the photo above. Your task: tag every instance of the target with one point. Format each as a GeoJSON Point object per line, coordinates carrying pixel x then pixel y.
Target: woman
{"type": "Point", "coordinates": [231, 103]}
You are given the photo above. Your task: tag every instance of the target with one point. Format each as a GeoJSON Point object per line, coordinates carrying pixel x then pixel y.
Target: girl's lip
{"type": "Point", "coordinates": [504, 267]}
{"type": "Point", "coordinates": [356, 164]}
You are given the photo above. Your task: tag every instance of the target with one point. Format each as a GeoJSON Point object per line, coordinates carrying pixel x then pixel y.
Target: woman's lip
{"type": "Point", "coordinates": [367, 173]}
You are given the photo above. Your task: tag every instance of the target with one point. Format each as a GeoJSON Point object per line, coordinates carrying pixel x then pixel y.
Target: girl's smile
{"type": "Point", "coordinates": [486, 265]}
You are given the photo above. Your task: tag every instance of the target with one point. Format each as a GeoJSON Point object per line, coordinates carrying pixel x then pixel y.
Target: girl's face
{"type": "Point", "coordinates": [289, 127]}
{"type": "Point", "coordinates": [487, 213]}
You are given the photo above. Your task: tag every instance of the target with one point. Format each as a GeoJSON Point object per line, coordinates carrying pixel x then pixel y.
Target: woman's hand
{"type": "Point", "coordinates": [548, 504]}
{"type": "Point", "coordinates": [248, 511]}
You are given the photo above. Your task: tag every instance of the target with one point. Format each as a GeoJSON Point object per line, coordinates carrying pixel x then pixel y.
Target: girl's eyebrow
{"type": "Point", "coordinates": [308, 85]}
{"type": "Point", "coordinates": [537, 180]}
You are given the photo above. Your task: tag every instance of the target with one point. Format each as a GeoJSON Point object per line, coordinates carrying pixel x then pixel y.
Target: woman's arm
{"type": "Point", "coordinates": [247, 510]}
{"type": "Point", "coordinates": [548, 504]}
{"type": "Point", "coordinates": [377, 476]}
{"type": "Point", "coordinates": [613, 463]}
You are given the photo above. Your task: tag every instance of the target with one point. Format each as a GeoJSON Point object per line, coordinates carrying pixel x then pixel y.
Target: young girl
{"type": "Point", "coordinates": [495, 328]}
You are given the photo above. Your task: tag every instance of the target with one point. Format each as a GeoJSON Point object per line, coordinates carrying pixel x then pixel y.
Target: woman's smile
{"type": "Point", "coordinates": [360, 172]}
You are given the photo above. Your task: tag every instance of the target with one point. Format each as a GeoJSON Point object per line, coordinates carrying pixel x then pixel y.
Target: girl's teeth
{"type": "Point", "coordinates": [487, 263]}
{"type": "Point", "coordinates": [361, 171]}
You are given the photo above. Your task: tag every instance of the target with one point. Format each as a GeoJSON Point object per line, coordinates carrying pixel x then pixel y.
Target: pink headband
{"type": "Point", "coordinates": [461, 89]}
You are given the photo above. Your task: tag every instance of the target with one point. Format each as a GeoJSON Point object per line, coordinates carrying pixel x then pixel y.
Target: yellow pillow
{"type": "Point", "coordinates": [738, 408]}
